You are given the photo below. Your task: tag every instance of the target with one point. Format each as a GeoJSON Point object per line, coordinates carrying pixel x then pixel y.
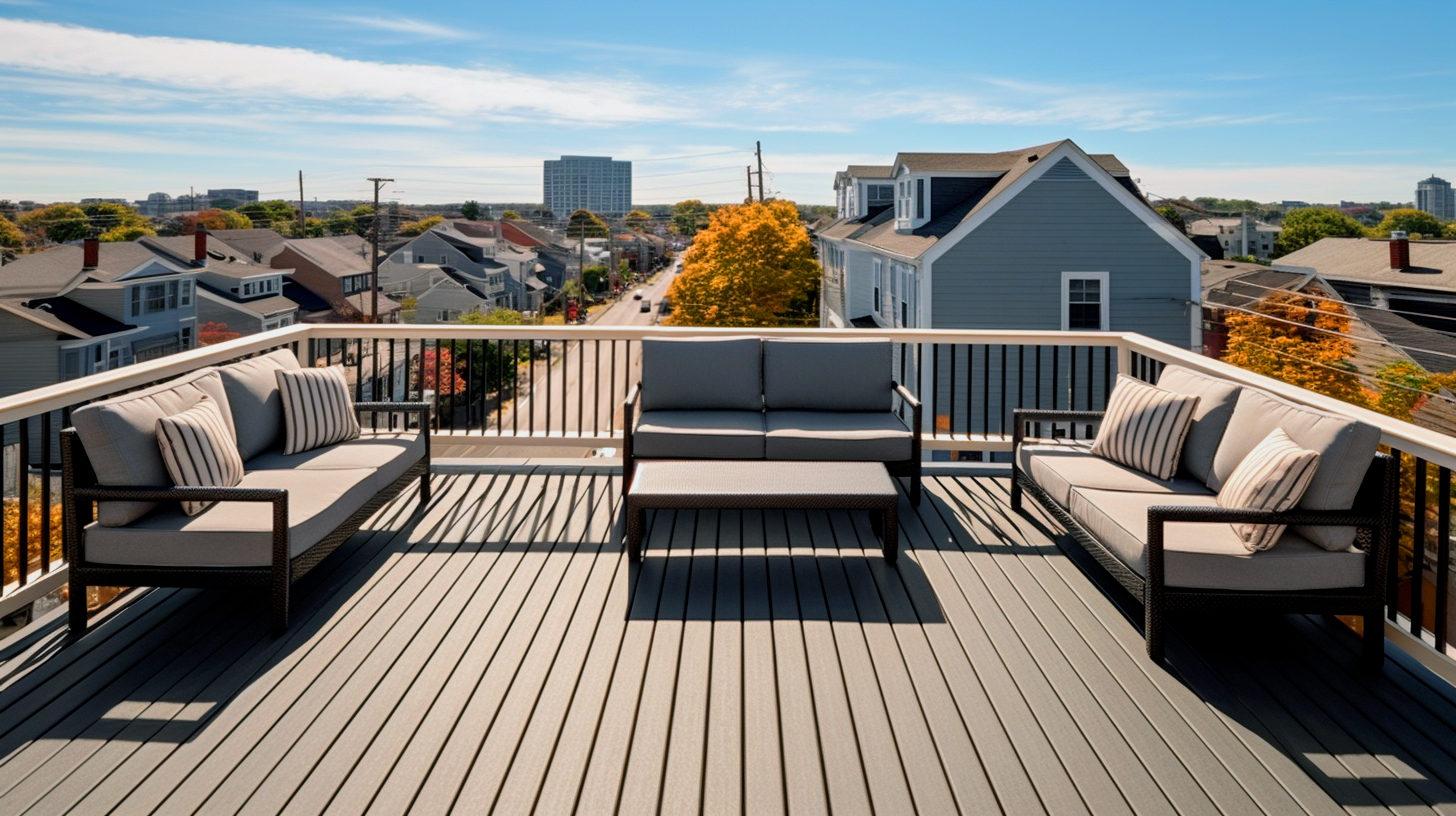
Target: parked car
{"type": "Point", "coordinates": [637, 295]}
{"type": "Point", "coordinates": [646, 305]}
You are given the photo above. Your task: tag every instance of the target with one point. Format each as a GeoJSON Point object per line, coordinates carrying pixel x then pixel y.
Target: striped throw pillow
{"type": "Point", "coordinates": [1144, 427]}
{"type": "Point", "coordinates": [199, 450]}
{"type": "Point", "coordinates": [317, 408]}
{"type": "Point", "coordinates": [1273, 476]}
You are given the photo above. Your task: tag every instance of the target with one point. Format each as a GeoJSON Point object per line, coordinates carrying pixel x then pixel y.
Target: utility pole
{"type": "Point", "coordinates": [749, 168]}
{"type": "Point", "coordinates": [302, 232]}
{"type": "Point", "coordinates": [374, 249]}
{"type": "Point", "coordinates": [758, 148]}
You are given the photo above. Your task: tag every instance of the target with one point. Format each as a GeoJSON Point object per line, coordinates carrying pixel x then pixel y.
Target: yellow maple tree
{"type": "Point", "coordinates": [752, 266]}
{"type": "Point", "coordinates": [1300, 340]}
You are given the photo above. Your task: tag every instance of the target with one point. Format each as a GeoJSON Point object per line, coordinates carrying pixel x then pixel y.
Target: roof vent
{"type": "Point", "coordinates": [1033, 157]}
{"type": "Point", "coordinates": [215, 255]}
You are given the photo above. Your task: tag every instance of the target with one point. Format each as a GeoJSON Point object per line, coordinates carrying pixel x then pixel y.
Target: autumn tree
{"type": "Point", "coordinates": [510, 215]}
{"type": "Point", "coordinates": [1306, 225]}
{"type": "Point", "coordinates": [127, 232]}
{"type": "Point", "coordinates": [1415, 223]}
{"type": "Point", "coordinates": [471, 210]}
{"type": "Point", "coordinates": [220, 220]}
{"type": "Point", "coordinates": [1298, 339]}
{"type": "Point", "coordinates": [213, 332]}
{"type": "Point", "coordinates": [10, 235]}
{"type": "Point", "coordinates": [639, 220]}
{"type": "Point", "coordinates": [1173, 216]}
{"type": "Point", "coordinates": [106, 215]}
{"type": "Point", "coordinates": [56, 224]}
{"type": "Point", "coordinates": [421, 226]}
{"type": "Point", "coordinates": [753, 265]}
{"type": "Point", "coordinates": [690, 216]}
{"type": "Point", "coordinates": [586, 224]}
{"type": "Point", "coordinates": [442, 373]}
{"type": "Point", "coordinates": [493, 362]}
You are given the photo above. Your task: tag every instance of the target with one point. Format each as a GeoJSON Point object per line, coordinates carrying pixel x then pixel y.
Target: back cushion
{"type": "Point", "coordinates": [120, 436]}
{"type": "Point", "coordinates": [827, 375]}
{"type": "Point", "coordinates": [1346, 448]}
{"type": "Point", "coordinates": [252, 392]}
{"type": "Point", "coordinates": [1216, 398]}
{"type": "Point", "coordinates": [702, 374]}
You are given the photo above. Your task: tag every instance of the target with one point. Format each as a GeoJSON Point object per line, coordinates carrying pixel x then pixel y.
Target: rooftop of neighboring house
{"type": "Point", "coordinates": [263, 307]}
{"type": "Point", "coordinates": [1239, 284]}
{"type": "Point", "coordinates": [524, 233]}
{"type": "Point", "coordinates": [870, 171]}
{"type": "Point", "coordinates": [1224, 226]}
{"type": "Point", "coordinates": [474, 229]}
{"type": "Point", "coordinates": [258, 244]}
{"type": "Point", "coordinates": [1432, 263]}
{"type": "Point", "coordinates": [57, 271]}
{"type": "Point", "coordinates": [66, 317]}
{"type": "Point", "coordinates": [331, 256]}
{"type": "Point", "coordinates": [222, 258]}
{"type": "Point", "coordinates": [992, 175]}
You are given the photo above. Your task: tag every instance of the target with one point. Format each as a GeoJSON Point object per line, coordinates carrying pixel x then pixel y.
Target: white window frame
{"type": "Point", "coordinates": [1104, 289]}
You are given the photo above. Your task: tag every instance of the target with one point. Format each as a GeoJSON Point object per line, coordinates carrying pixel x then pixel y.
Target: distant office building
{"type": "Point", "coordinates": [233, 194]}
{"type": "Point", "coordinates": [593, 183]}
{"type": "Point", "coordinates": [1294, 205]}
{"type": "Point", "coordinates": [1434, 195]}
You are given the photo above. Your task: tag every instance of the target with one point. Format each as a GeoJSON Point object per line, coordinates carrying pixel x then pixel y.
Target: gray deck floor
{"type": "Point", "coordinates": [496, 652]}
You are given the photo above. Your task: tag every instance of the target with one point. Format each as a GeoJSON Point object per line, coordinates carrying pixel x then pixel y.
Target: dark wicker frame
{"type": "Point", "coordinates": [910, 468]}
{"type": "Point", "coordinates": [80, 492]}
{"type": "Point", "coordinates": [1373, 513]}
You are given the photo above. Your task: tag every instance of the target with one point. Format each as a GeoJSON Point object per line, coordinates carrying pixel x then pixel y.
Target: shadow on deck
{"type": "Point", "coordinates": [495, 651]}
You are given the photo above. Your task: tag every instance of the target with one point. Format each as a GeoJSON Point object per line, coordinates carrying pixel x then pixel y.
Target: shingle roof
{"type": "Point", "coordinates": [870, 171]}
{"type": "Point", "coordinates": [1239, 284]}
{"type": "Point", "coordinates": [265, 242]}
{"type": "Point", "coordinates": [1210, 226]}
{"type": "Point", "coordinates": [56, 271]}
{"type": "Point", "coordinates": [1433, 263]}
{"type": "Point", "coordinates": [65, 317]}
{"type": "Point", "coordinates": [262, 307]}
{"type": "Point", "coordinates": [1433, 350]}
{"type": "Point", "coordinates": [331, 256]}
{"type": "Point", "coordinates": [993, 162]}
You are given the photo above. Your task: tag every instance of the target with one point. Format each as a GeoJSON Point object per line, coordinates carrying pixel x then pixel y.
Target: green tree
{"type": "Point", "coordinates": [1415, 223]}
{"type": "Point", "coordinates": [340, 223]}
{"type": "Point", "coordinates": [1248, 259]}
{"type": "Point", "coordinates": [277, 214]}
{"type": "Point", "coordinates": [10, 235]}
{"type": "Point", "coordinates": [510, 215]}
{"type": "Point", "coordinates": [471, 210]}
{"type": "Point", "coordinates": [312, 228]}
{"type": "Point", "coordinates": [126, 232]}
{"type": "Point", "coordinates": [421, 226]}
{"type": "Point", "coordinates": [107, 215]}
{"type": "Point", "coordinates": [595, 278]}
{"type": "Point", "coordinates": [1173, 216]}
{"type": "Point", "coordinates": [1304, 226]}
{"type": "Point", "coordinates": [585, 224]}
{"type": "Point", "coordinates": [57, 224]}
{"type": "Point", "coordinates": [690, 216]}
{"type": "Point", "coordinates": [363, 216]}
{"type": "Point", "coordinates": [751, 266]}
{"type": "Point", "coordinates": [495, 362]}
{"type": "Point", "coordinates": [639, 220]}
{"type": "Point", "coordinates": [225, 204]}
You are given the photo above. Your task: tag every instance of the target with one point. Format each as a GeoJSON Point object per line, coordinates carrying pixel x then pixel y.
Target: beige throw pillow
{"type": "Point", "coordinates": [317, 408]}
{"type": "Point", "coordinates": [1144, 427]}
{"type": "Point", "coordinates": [199, 450]}
{"type": "Point", "coordinates": [1273, 476]}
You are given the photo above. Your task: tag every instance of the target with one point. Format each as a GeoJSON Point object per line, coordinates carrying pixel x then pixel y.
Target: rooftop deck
{"type": "Point", "coordinates": [497, 652]}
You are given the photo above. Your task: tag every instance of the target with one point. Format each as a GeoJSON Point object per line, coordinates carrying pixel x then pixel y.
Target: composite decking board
{"type": "Point", "coordinates": [722, 785]}
{"type": "Point", "coordinates": [763, 758]}
{"type": "Point", "coordinates": [805, 786]}
{"type": "Point", "coordinates": [222, 781]}
{"type": "Point", "coordinates": [848, 571]}
{"type": "Point", "coordinates": [578, 527]}
{"type": "Point", "coordinates": [372, 694]}
{"type": "Point", "coordinates": [400, 774]}
{"type": "Point", "coordinates": [660, 580]}
{"type": "Point", "coordinates": [1177, 757]}
{"type": "Point", "coordinates": [560, 645]}
{"type": "Point", "coordinates": [687, 739]}
{"type": "Point", "coordinates": [903, 764]}
{"type": "Point", "coordinates": [958, 756]}
{"type": "Point", "coordinates": [947, 674]}
{"type": "Point", "coordinates": [322, 634]}
{"type": "Point", "coordinates": [1067, 772]}
{"type": "Point", "coordinates": [1078, 599]}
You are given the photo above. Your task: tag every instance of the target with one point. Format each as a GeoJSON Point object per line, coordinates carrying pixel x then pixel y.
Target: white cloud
{"type": "Point", "coordinates": [1327, 183]}
{"type": "Point", "coordinates": [403, 25]}
{"type": "Point", "coordinates": [252, 72]}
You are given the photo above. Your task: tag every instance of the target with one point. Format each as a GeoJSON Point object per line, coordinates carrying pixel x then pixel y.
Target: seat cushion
{"type": "Point", "coordinates": [237, 534]}
{"type": "Point", "coordinates": [1145, 426]}
{"type": "Point", "coordinates": [120, 437]}
{"type": "Point", "coordinates": [1216, 398]}
{"type": "Point", "coordinates": [1057, 466]}
{"type": "Point", "coordinates": [702, 374]}
{"type": "Point", "coordinates": [873, 436]}
{"type": "Point", "coordinates": [252, 392]}
{"type": "Point", "coordinates": [1211, 556]}
{"type": "Point", "coordinates": [388, 455]}
{"type": "Point", "coordinates": [699, 435]}
{"type": "Point", "coordinates": [827, 375]}
{"type": "Point", "coordinates": [1346, 448]}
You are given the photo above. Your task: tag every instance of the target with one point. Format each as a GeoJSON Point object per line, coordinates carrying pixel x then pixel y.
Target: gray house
{"type": "Point", "coordinates": [1046, 238]}
{"type": "Point", "coordinates": [445, 254]}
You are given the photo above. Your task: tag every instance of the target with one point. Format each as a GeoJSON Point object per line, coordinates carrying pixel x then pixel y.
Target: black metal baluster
{"type": "Point", "coordinates": [1443, 553]}
{"type": "Point", "coordinates": [1071, 378]}
{"type": "Point", "coordinates": [22, 494]}
{"type": "Point", "coordinates": [1038, 377]}
{"type": "Point", "coordinates": [500, 388]}
{"type": "Point", "coordinates": [1091, 374]}
{"type": "Point", "coordinates": [374, 384]}
{"type": "Point", "coordinates": [985, 389]}
{"type": "Point", "coordinates": [1418, 553]}
{"type": "Point", "coordinates": [474, 386]}
{"type": "Point", "coordinates": [1056, 375]}
{"type": "Point", "coordinates": [1001, 421]}
{"type": "Point", "coordinates": [45, 492]}
{"type": "Point", "coordinates": [951, 426]}
{"type": "Point", "coordinates": [515, 388]}
{"type": "Point", "coordinates": [440, 388]}
{"type": "Point", "coordinates": [359, 369]}
{"type": "Point", "coordinates": [1106, 373]}
{"type": "Point", "coordinates": [531, 415]}
{"type": "Point", "coordinates": [580, 387]}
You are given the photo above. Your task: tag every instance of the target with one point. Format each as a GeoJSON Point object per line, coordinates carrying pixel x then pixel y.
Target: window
{"type": "Point", "coordinates": [186, 296]}
{"type": "Point", "coordinates": [136, 301]}
{"type": "Point", "coordinates": [444, 260]}
{"type": "Point", "coordinates": [919, 198]}
{"type": "Point", "coordinates": [1084, 301]}
{"type": "Point", "coordinates": [879, 195]}
{"type": "Point", "coordinates": [249, 289]}
{"type": "Point", "coordinates": [419, 259]}
{"type": "Point", "coordinates": [154, 298]}
{"type": "Point", "coordinates": [172, 288]}
{"type": "Point", "coordinates": [186, 337]}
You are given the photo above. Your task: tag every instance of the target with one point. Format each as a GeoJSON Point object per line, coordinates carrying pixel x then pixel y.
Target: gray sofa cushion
{"type": "Point", "coordinates": [1211, 556]}
{"type": "Point", "coordinates": [1210, 418]}
{"type": "Point", "coordinates": [387, 454]}
{"type": "Point", "coordinates": [827, 375]}
{"type": "Point", "coordinates": [237, 534]}
{"type": "Point", "coordinates": [876, 436]}
{"type": "Point", "coordinates": [252, 390]}
{"type": "Point", "coordinates": [1346, 448]}
{"type": "Point", "coordinates": [709, 374]}
{"type": "Point", "coordinates": [1057, 466]}
{"type": "Point", "coordinates": [699, 435]}
{"type": "Point", "coordinates": [120, 436]}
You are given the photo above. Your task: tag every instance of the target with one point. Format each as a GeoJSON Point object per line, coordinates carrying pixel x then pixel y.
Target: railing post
{"type": "Point", "coordinates": [1124, 356]}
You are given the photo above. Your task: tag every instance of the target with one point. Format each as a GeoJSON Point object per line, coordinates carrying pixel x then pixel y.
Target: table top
{"type": "Point", "coordinates": [759, 477]}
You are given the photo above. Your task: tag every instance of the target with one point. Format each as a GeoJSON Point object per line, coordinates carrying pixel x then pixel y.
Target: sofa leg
{"type": "Point", "coordinates": [425, 489]}
{"type": "Point", "coordinates": [78, 616]}
{"type": "Point", "coordinates": [1153, 632]}
{"type": "Point", "coordinates": [1015, 494]}
{"type": "Point", "coordinates": [1373, 641]}
{"type": "Point", "coordinates": [279, 611]}
{"type": "Point", "coordinates": [915, 490]}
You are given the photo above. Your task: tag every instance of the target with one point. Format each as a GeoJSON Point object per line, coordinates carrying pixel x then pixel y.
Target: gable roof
{"type": "Point", "coordinates": [258, 245]}
{"type": "Point", "coordinates": [65, 317]}
{"type": "Point", "coordinates": [1433, 263]}
{"type": "Point", "coordinates": [1240, 285]}
{"type": "Point", "coordinates": [57, 271]}
{"type": "Point", "coordinates": [330, 256]}
{"type": "Point", "coordinates": [870, 171]}
{"type": "Point", "coordinates": [1005, 161]}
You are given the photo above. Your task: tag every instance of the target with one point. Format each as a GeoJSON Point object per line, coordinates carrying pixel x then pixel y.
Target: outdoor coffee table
{"type": "Point", "coordinates": [708, 484]}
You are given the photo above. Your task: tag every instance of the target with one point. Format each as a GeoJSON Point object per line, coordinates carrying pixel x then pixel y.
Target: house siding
{"type": "Point", "coordinates": [211, 311]}
{"type": "Point", "coordinates": [32, 355]}
{"type": "Point", "coordinates": [1149, 279]}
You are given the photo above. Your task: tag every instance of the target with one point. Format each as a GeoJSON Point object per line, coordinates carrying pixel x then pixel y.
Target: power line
{"type": "Point", "coordinates": [1348, 303]}
{"type": "Point", "coordinates": [1350, 337]}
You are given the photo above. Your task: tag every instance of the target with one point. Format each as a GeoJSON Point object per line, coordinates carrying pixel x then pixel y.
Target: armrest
{"type": "Point", "coordinates": [631, 402]}
{"type": "Point", "coordinates": [1021, 416]}
{"type": "Point", "coordinates": [906, 394]}
{"type": "Point", "coordinates": [235, 494]}
{"type": "Point", "coordinates": [420, 409]}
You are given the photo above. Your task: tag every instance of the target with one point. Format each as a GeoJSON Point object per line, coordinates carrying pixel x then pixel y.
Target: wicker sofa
{"type": "Point", "coordinates": [1170, 544]}
{"type": "Point", "coordinates": [125, 527]}
{"type": "Point", "coordinates": [787, 399]}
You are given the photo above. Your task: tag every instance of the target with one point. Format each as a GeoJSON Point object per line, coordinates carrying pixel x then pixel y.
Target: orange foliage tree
{"type": "Point", "coordinates": [36, 511]}
{"type": "Point", "coordinates": [442, 374]}
{"type": "Point", "coordinates": [1300, 340]}
{"type": "Point", "coordinates": [213, 332]}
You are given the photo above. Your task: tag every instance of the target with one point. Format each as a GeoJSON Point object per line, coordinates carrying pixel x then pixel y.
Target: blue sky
{"type": "Point", "coordinates": [456, 100]}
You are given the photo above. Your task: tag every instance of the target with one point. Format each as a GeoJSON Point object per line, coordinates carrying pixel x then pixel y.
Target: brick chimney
{"type": "Point", "coordinates": [1399, 251]}
{"type": "Point", "coordinates": [90, 253]}
{"type": "Point", "coordinates": [199, 246]}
